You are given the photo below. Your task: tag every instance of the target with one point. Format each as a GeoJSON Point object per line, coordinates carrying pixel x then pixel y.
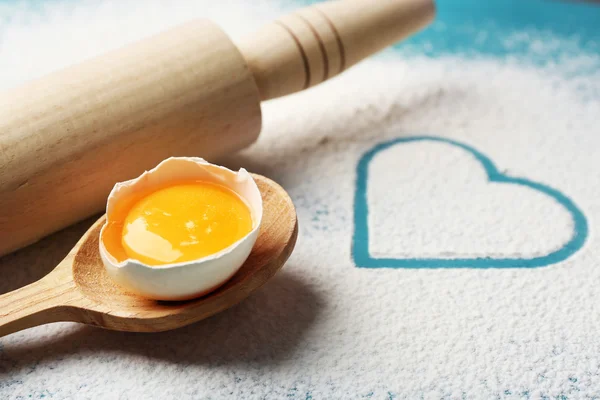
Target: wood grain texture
{"type": "Point", "coordinates": [311, 45]}
{"type": "Point", "coordinates": [79, 289]}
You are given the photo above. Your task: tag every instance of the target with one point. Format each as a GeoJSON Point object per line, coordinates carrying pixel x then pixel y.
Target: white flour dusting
{"type": "Point", "coordinates": [324, 328]}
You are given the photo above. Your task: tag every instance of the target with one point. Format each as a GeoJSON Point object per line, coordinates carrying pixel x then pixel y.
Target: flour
{"type": "Point", "coordinates": [324, 328]}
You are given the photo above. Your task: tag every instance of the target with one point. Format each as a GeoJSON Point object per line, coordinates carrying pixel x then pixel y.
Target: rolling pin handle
{"type": "Point", "coordinates": [311, 45]}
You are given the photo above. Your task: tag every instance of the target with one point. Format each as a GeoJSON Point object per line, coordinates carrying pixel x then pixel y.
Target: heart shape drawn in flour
{"type": "Point", "coordinates": [360, 244]}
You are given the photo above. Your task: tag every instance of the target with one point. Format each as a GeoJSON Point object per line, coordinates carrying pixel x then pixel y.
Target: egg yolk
{"type": "Point", "coordinates": [180, 223]}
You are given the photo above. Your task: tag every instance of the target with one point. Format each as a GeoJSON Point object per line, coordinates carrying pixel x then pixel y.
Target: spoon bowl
{"type": "Point", "coordinates": [80, 290]}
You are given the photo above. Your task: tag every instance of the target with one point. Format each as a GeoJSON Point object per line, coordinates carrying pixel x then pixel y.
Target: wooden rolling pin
{"type": "Point", "coordinates": [65, 139]}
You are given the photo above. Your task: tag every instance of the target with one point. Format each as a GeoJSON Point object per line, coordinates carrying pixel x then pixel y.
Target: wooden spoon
{"type": "Point", "coordinates": [80, 290]}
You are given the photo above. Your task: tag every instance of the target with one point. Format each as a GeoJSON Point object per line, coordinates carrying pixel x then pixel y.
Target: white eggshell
{"type": "Point", "coordinates": [190, 279]}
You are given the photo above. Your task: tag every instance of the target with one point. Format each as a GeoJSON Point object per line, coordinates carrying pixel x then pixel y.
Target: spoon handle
{"type": "Point", "coordinates": [39, 303]}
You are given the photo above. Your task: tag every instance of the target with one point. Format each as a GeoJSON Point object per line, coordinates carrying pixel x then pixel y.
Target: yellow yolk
{"type": "Point", "coordinates": [179, 223]}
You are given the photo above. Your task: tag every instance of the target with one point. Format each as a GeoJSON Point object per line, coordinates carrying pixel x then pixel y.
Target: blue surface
{"type": "Point", "coordinates": [360, 241]}
{"type": "Point", "coordinates": [473, 26]}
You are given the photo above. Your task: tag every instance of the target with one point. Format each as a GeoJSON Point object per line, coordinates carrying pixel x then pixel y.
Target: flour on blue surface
{"type": "Point", "coordinates": [324, 328]}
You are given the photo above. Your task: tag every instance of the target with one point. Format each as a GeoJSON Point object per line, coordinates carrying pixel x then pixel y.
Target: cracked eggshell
{"type": "Point", "coordinates": [187, 280]}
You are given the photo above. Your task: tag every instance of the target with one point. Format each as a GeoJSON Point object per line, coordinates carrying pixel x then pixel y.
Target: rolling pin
{"type": "Point", "coordinates": [67, 138]}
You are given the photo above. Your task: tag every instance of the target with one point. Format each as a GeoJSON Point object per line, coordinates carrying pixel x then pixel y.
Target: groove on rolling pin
{"type": "Point", "coordinates": [338, 39]}
{"type": "Point", "coordinates": [321, 46]}
{"type": "Point", "coordinates": [302, 54]}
